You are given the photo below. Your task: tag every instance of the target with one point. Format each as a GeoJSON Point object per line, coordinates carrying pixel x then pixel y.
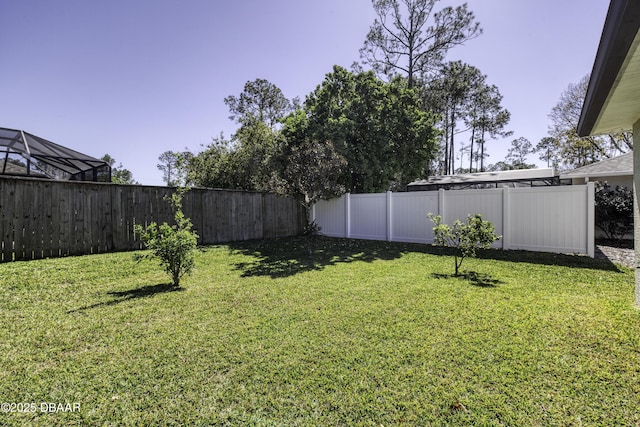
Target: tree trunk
{"type": "Point", "coordinates": [410, 70]}
{"type": "Point", "coordinates": [473, 132]}
{"type": "Point", "coordinates": [446, 145]}
{"type": "Point", "coordinates": [452, 147]}
{"type": "Point", "coordinates": [482, 152]}
{"type": "Point", "coordinates": [458, 264]}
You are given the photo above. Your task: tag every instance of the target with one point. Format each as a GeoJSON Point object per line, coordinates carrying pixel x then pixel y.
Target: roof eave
{"type": "Point", "coordinates": [595, 175]}
{"type": "Point", "coordinates": [617, 37]}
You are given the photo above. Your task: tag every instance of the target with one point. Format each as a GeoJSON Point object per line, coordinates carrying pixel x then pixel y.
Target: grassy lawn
{"type": "Point", "coordinates": [365, 333]}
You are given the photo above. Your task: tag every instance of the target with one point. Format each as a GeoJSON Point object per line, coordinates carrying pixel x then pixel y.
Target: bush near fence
{"type": "Point", "coordinates": [43, 218]}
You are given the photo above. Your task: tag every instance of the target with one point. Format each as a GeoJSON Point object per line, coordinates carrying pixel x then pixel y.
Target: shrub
{"type": "Point", "coordinates": [173, 245]}
{"type": "Point", "coordinates": [614, 210]}
{"type": "Point", "coordinates": [464, 238]}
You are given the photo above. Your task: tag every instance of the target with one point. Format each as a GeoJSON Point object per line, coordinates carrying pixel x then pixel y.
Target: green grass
{"type": "Point", "coordinates": [365, 333]}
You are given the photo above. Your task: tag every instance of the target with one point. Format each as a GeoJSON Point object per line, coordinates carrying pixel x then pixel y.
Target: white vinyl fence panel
{"type": "Point", "coordinates": [488, 203]}
{"type": "Point", "coordinates": [554, 220]}
{"type": "Point", "coordinates": [369, 216]}
{"type": "Point", "coordinates": [408, 215]}
{"type": "Point", "coordinates": [334, 214]}
{"type": "Point", "coordinates": [546, 219]}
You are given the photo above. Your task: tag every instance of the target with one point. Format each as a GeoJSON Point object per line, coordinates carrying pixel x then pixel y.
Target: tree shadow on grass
{"type": "Point", "coordinates": [122, 296]}
{"type": "Point", "coordinates": [481, 280]}
{"type": "Point", "coordinates": [289, 256]}
{"type": "Point", "coordinates": [548, 258]}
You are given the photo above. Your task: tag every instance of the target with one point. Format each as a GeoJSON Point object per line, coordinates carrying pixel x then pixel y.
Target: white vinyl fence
{"type": "Point", "coordinates": [546, 219]}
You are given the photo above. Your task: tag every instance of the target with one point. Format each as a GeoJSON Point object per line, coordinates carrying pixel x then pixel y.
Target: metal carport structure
{"type": "Point", "coordinates": [25, 154]}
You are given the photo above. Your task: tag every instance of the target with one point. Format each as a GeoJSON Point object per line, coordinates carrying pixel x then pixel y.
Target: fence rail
{"type": "Point", "coordinates": [545, 219]}
{"type": "Point", "coordinates": [41, 218]}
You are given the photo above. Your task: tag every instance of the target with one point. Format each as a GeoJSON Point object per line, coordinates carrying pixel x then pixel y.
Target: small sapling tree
{"type": "Point", "coordinates": [174, 245]}
{"type": "Point", "coordinates": [464, 238]}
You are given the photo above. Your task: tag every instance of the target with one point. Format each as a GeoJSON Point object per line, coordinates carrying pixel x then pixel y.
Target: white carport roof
{"type": "Point", "coordinates": [512, 175]}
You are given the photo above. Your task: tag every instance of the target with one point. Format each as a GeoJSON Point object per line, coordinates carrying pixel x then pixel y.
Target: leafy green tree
{"type": "Point", "coordinates": [253, 157]}
{"type": "Point", "coordinates": [411, 132]}
{"type": "Point", "coordinates": [452, 95]}
{"type": "Point", "coordinates": [260, 101]}
{"type": "Point", "coordinates": [517, 155]}
{"type": "Point", "coordinates": [247, 161]}
{"type": "Point", "coordinates": [245, 164]}
{"type": "Point", "coordinates": [548, 151]}
{"type": "Point", "coordinates": [379, 128]}
{"type": "Point", "coordinates": [411, 39]}
{"type": "Point", "coordinates": [578, 151]}
{"type": "Point", "coordinates": [464, 238]}
{"type": "Point", "coordinates": [214, 166]}
{"type": "Point", "coordinates": [460, 95]}
{"type": "Point", "coordinates": [309, 169]}
{"type": "Point", "coordinates": [167, 166]}
{"type": "Point", "coordinates": [313, 171]}
{"type": "Point", "coordinates": [174, 165]}
{"type": "Point", "coordinates": [487, 119]}
{"type": "Point", "coordinates": [119, 175]}
{"type": "Point", "coordinates": [174, 245]}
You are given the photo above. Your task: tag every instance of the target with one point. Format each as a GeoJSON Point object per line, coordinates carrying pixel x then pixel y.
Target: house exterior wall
{"type": "Point", "coordinates": [636, 209]}
{"type": "Point", "coordinates": [613, 180]}
{"type": "Point", "coordinates": [578, 181]}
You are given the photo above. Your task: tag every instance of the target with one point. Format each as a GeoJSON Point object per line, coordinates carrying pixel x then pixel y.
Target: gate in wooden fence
{"type": "Point", "coordinates": [42, 218]}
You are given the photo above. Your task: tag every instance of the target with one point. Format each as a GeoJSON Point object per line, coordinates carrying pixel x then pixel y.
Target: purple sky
{"type": "Point", "coordinates": [138, 77]}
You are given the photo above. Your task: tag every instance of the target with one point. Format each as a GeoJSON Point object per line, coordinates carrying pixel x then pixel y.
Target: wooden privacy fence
{"type": "Point", "coordinates": [546, 219]}
{"type": "Point", "coordinates": [42, 218]}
